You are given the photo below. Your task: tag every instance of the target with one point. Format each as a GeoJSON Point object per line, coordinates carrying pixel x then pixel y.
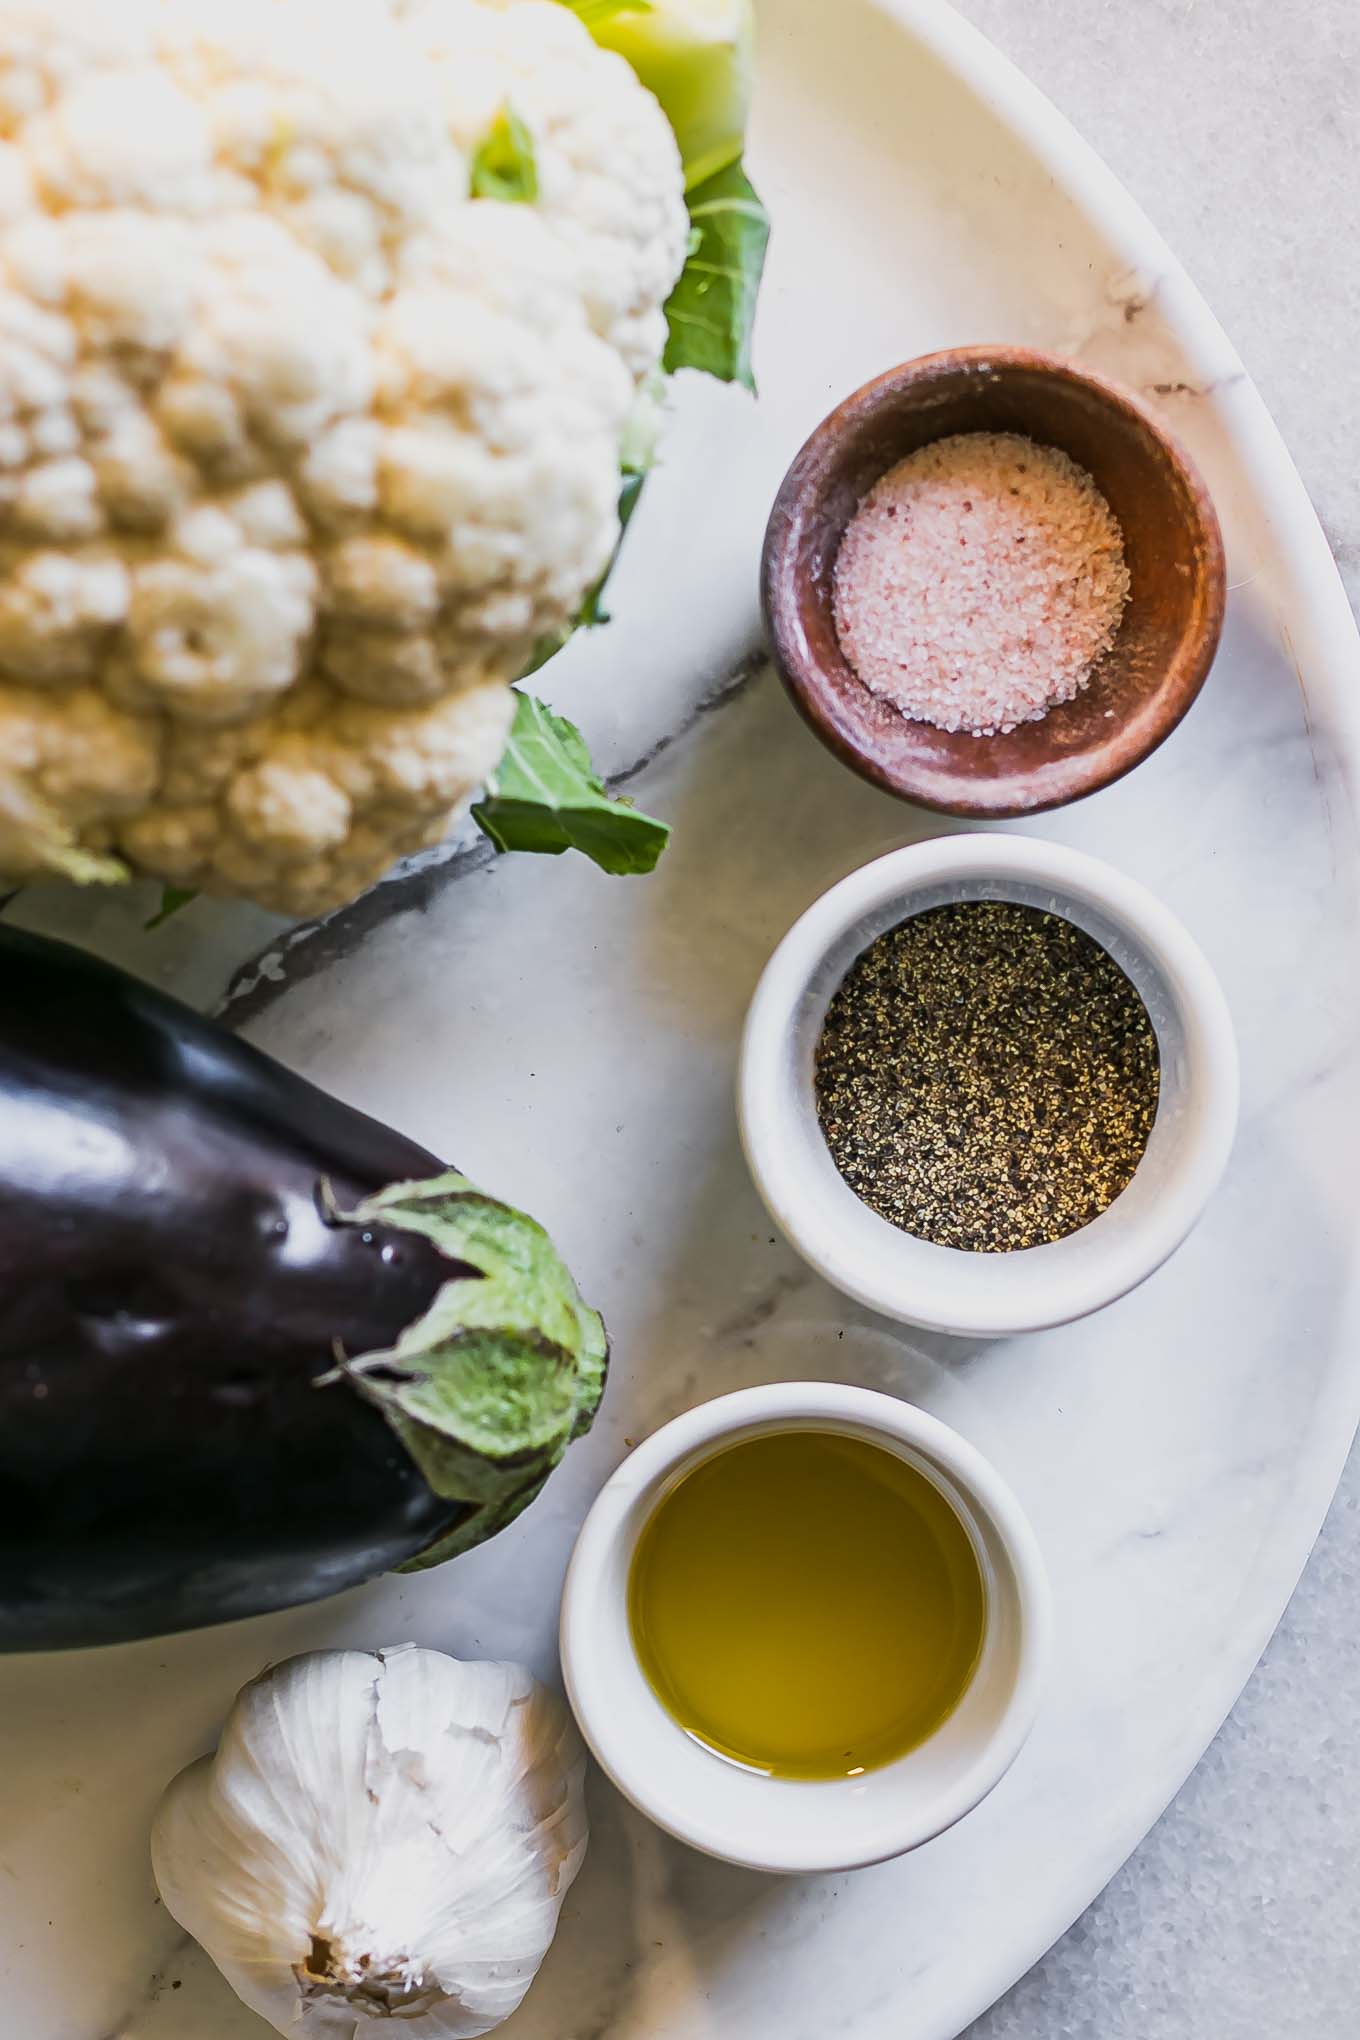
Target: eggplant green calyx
{"type": "Point", "coordinates": [488, 1388]}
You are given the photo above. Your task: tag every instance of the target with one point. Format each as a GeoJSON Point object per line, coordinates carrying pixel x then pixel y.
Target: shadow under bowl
{"type": "Point", "coordinates": [1167, 638]}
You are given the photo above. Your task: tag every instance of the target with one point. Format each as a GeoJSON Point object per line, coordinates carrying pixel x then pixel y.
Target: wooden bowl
{"type": "Point", "coordinates": [1140, 689]}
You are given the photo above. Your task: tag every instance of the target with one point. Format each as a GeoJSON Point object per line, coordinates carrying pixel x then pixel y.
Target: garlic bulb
{"type": "Point", "coordinates": [381, 1835]}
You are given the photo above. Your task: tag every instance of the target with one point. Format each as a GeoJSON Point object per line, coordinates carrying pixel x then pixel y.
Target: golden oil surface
{"type": "Point", "coordinates": [807, 1604]}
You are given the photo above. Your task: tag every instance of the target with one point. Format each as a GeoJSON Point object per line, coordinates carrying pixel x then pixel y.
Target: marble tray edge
{"type": "Point", "coordinates": [1324, 641]}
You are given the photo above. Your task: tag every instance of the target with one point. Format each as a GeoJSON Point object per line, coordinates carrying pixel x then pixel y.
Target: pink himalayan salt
{"type": "Point", "coordinates": [979, 581]}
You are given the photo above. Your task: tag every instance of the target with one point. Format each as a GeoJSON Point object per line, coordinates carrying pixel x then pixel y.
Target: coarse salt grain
{"type": "Point", "coordinates": [979, 581]}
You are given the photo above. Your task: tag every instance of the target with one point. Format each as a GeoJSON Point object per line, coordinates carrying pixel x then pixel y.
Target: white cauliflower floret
{"type": "Point", "coordinates": [302, 447]}
{"type": "Point", "coordinates": [604, 153]}
{"type": "Point", "coordinates": [315, 802]}
{"type": "Point", "coordinates": [57, 619]}
{"type": "Point", "coordinates": [73, 768]}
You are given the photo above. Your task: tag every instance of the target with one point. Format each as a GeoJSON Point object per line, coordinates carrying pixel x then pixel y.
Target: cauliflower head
{"type": "Point", "coordinates": [303, 446]}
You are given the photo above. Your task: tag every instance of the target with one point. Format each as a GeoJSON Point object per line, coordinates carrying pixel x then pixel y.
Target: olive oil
{"type": "Point", "coordinates": [807, 1604]}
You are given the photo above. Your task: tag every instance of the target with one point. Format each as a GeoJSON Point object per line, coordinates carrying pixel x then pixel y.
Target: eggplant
{"type": "Point", "coordinates": [255, 1347]}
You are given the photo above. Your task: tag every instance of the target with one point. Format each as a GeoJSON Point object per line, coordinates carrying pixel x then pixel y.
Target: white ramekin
{"type": "Point", "coordinates": [781, 1824]}
{"type": "Point", "coordinates": [942, 1288]}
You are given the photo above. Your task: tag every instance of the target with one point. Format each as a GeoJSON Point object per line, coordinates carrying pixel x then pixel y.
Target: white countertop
{"type": "Point", "coordinates": [1238, 128]}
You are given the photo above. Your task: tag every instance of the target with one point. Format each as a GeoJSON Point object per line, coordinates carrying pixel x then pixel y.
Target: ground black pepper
{"type": "Point", "coordinates": [987, 1077]}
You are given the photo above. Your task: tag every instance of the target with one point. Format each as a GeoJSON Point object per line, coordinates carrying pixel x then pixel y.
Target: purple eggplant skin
{"type": "Point", "coordinates": [169, 1296]}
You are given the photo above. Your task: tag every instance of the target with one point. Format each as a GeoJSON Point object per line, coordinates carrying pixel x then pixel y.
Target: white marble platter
{"type": "Point", "coordinates": [570, 1040]}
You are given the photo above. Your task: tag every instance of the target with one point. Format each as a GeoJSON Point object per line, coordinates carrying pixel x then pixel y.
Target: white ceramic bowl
{"type": "Point", "coordinates": [785, 1824]}
{"type": "Point", "coordinates": [943, 1288]}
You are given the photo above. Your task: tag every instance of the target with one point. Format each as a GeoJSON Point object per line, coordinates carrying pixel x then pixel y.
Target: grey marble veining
{"type": "Point", "coordinates": [1238, 128]}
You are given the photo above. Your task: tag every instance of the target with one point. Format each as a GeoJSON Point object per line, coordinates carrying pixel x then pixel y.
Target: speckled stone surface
{"type": "Point", "coordinates": [1239, 1916]}
{"type": "Point", "coordinates": [1238, 128]}
{"type": "Point", "coordinates": [1236, 125]}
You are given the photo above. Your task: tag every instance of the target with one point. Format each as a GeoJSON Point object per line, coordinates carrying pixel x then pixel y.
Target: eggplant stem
{"type": "Point", "coordinates": [382, 1367]}
{"type": "Point", "coordinates": [379, 1364]}
{"type": "Point", "coordinates": [336, 1373]}
{"type": "Point", "coordinates": [327, 1206]}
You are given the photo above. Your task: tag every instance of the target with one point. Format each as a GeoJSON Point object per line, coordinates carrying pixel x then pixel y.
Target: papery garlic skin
{"type": "Point", "coordinates": [381, 1835]}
